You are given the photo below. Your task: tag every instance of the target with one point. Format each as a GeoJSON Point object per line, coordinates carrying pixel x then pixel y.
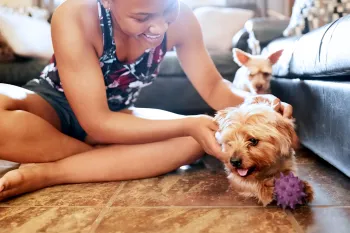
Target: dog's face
{"type": "Point", "coordinates": [259, 75]}
{"type": "Point", "coordinates": [259, 69]}
{"type": "Point", "coordinates": [256, 140]}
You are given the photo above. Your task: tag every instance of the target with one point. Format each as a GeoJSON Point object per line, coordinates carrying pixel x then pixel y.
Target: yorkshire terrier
{"type": "Point", "coordinates": [259, 143]}
{"type": "Point", "coordinates": [254, 75]}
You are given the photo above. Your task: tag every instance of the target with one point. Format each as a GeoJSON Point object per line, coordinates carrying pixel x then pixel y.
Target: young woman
{"type": "Point", "coordinates": [105, 52]}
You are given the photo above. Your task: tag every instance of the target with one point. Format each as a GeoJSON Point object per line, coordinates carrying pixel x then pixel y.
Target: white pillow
{"type": "Point", "coordinates": [219, 25]}
{"type": "Point", "coordinates": [28, 37]}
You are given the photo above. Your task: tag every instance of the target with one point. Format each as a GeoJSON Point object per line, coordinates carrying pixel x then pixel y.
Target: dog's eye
{"type": "Point", "coordinates": [266, 75]}
{"type": "Point", "coordinates": [253, 141]}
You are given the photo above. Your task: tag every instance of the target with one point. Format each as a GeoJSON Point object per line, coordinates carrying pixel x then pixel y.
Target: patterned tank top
{"type": "Point", "coordinates": [123, 81]}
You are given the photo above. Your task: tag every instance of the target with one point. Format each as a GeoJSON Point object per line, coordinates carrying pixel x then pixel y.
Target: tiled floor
{"type": "Point", "coordinates": [192, 200]}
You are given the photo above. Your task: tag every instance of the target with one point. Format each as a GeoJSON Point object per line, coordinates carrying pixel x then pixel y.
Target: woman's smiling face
{"type": "Point", "coordinates": [145, 20]}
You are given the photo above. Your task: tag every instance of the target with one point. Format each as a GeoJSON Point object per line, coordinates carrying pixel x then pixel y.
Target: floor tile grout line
{"type": "Point", "coordinates": [194, 207]}
{"type": "Point", "coordinates": [224, 207]}
{"type": "Point", "coordinates": [114, 196]}
{"type": "Point", "coordinates": [294, 222]}
{"type": "Point", "coordinates": [53, 206]}
{"type": "Point", "coordinates": [172, 206]}
{"type": "Point", "coordinates": [106, 208]}
{"type": "Point", "coordinates": [329, 206]}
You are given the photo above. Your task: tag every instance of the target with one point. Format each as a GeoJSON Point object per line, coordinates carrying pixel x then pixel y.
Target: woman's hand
{"type": "Point", "coordinates": [285, 109]}
{"type": "Point", "coordinates": [203, 128]}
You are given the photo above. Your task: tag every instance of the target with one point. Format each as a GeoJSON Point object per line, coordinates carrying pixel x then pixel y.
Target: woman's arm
{"type": "Point", "coordinates": [199, 66]}
{"type": "Point", "coordinates": [84, 87]}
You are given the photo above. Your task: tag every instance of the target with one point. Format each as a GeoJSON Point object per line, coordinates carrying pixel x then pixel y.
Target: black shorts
{"type": "Point", "coordinates": [69, 123]}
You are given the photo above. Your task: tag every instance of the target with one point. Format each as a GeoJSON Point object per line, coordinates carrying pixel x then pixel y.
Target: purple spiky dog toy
{"type": "Point", "coordinates": [289, 191]}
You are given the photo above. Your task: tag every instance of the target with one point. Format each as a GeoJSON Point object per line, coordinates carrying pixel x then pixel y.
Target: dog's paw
{"type": "Point", "coordinates": [266, 195]}
{"type": "Point", "coordinates": [309, 192]}
{"type": "Point", "coordinates": [246, 194]}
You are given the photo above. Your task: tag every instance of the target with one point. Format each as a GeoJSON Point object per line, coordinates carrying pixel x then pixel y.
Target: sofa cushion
{"type": "Point", "coordinates": [321, 54]}
{"type": "Point", "coordinates": [21, 71]}
{"type": "Point", "coordinates": [223, 61]}
{"type": "Point", "coordinates": [324, 53]}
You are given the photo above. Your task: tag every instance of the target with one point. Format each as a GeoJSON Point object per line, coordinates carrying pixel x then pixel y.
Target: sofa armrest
{"type": "Point", "coordinates": [266, 29]}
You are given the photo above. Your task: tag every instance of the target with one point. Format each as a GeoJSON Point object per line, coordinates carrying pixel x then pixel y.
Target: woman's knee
{"type": "Point", "coordinates": [6, 103]}
{"type": "Point", "coordinates": [18, 98]}
{"type": "Point", "coordinates": [15, 121]}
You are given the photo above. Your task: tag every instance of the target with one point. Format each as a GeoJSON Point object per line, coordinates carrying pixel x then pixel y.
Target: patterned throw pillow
{"type": "Point", "coordinates": [311, 14]}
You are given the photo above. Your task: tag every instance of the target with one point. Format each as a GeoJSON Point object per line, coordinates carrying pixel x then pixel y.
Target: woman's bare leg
{"type": "Point", "coordinates": [30, 129]}
{"type": "Point", "coordinates": [111, 163]}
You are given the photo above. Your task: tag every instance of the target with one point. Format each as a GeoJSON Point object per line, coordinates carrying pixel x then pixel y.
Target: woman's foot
{"type": "Point", "coordinates": [26, 178]}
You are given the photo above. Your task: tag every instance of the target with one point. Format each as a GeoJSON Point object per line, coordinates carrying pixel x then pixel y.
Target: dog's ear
{"type": "Point", "coordinates": [221, 117]}
{"type": "Point", "coordinates": [240, 57]}
{"type": "Point", "coordinates": [273, 58]}
{"type": "Point", "coordinates": [289, 137]}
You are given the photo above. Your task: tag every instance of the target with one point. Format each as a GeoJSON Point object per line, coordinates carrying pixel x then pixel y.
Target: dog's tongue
{"type": "Point", "coordinates": [242, 172]}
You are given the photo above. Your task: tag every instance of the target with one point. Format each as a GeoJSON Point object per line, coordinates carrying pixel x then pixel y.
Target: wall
{"type": "Point", "coordinates": [282, 7]}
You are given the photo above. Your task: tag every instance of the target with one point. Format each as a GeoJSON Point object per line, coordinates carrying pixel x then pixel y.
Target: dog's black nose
{"type": "Point", "coordinates": [236, 162]}
{"type": "Point", "coordinates": [259, 87]}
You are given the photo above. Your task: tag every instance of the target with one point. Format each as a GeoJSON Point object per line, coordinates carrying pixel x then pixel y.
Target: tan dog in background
{"type": "Point", "coordinates": [259, 143]}
{"type": "Point", "coordinates": [254, 75]}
